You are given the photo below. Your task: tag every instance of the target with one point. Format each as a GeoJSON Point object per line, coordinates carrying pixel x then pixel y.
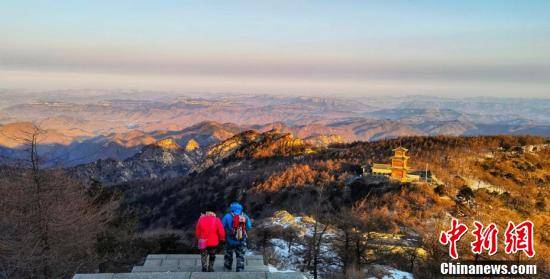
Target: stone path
{"type": "Point", "coordinates": [188, 266]}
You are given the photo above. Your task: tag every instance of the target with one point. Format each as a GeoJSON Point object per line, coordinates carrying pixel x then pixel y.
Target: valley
{"type": "Point", "coordinates": [296, 164]}
{"type": "Point", "coordinates": [274, 139]}
{"type": "Point", "coordinates": [289, 191]}
{"type": "Point", "coordinates": [77, 130]}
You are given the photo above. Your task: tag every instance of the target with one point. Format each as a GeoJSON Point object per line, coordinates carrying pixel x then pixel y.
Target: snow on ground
{"type": "Point", "coordinates": [304, 225]}
{"type": "Point", "coordinates": [389, 272]}
{"type": "Point", "coordinates": [286, 220]}
{"type": "Point", "coordinates": [476, 184]}
{"type": "Point", "coordinates": [291, 259]}
{"type": "Point", "coordinates": [287, 260]}
{"type": "Point", "coordinates": [271, 268]}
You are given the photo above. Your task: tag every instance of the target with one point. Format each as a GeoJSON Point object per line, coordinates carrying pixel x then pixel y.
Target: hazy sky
{"type": "Point", "coordinates": [449, 48]}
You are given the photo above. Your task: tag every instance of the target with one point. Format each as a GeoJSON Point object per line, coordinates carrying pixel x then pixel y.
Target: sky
{"type": "Point", "coordinates": [357, 48]}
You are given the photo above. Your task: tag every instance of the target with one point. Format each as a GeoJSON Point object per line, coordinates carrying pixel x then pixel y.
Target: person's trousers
{"type": "Point", "coordinates": [208, 256]}
{"type": "Point", "coordinates": [239, 254]}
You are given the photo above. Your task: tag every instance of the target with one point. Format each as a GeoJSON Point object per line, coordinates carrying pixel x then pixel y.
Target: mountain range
{"type": "Point", "coordinates": [157, 164]}
{"type": "Point", "coordinates": [117, 125]}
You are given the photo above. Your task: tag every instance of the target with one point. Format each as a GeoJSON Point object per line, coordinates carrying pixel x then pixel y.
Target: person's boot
{"type": "Point", "coordinates": [227, 259]}
{"type": "Point", "coordinates": [239, 254]}
{"type": "Point", "coordinates": [211, 264]}
{"type": "Point", "coordinates": [204, 261]}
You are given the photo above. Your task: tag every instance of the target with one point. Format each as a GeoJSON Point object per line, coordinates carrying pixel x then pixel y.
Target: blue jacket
{"type": "Point", "coordinates": [227, 222]}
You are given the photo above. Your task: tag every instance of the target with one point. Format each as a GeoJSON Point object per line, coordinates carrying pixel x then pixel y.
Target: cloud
{"type": "Point", "coordinates": [140, 63]}
{"type": "Point", "coordinates": [265, 73]}
{"type": "Point", "coordinates": [250, 84]}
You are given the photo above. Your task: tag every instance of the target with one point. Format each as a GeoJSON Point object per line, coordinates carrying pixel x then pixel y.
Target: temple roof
{"type": "Point", "coordinates": [400, 148]}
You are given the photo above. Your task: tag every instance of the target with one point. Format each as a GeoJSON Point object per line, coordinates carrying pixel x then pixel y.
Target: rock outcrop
{"type": "Point", "coordinates": [162, 159]}
{"type": "Point", "coordinates": [324, 140]}
{"type": "Point", "coordinates": [252, 144]}
{"type": "Point", "coordinates": [192, 145]}
{"type": "Point", "coordinates": [168, 144]}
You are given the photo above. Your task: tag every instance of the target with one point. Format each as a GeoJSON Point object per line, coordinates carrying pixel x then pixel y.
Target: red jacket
{"type": "Point", "coordinates": [210, 228]}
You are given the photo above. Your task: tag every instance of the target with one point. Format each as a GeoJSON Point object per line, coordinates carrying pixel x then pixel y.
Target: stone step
{"type": "Point", "coordinates": [186, 268]}
{"type": "Point", "coordinates": [193, 256]}
{"type": "Point", "coordinates": [247, 275]}
{"type": "Point", "coordinates": [154, 275]}
{"type": "Point", "coordinates": [195, 262]}
{"type": "Point", "coordinates": [194, 275]}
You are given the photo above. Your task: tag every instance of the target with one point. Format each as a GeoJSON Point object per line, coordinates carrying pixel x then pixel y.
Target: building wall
{"type": "Point", "coordinates": [381, 171]}
{"type": "Point", "coordinates": [398, 174]}
{"type": "Point", "coordinates": [398, 170]}
{"type": "Point", "coordinates": [398, 163]}
{"type": "Point", "coordinates": [399, 153]}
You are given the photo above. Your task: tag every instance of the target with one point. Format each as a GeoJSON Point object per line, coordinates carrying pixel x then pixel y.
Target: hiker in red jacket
{"type": "Point", "coordinates": [209, 233]}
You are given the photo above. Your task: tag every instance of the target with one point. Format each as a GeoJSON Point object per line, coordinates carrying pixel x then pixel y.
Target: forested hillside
{"type": "Point", "coordinates": [326, 185]}
{"type": "Point", "coordinates": [313, 207]}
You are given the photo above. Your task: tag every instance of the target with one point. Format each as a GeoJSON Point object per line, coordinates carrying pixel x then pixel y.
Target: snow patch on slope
{"type": "Point", "coordinates": [390, 272]}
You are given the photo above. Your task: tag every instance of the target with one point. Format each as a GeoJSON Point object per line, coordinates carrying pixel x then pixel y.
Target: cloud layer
{"type": "Point", "coordinates": [356, 47]}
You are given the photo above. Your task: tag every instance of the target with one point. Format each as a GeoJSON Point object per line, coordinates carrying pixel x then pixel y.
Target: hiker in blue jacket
{"type": "Point", "coordinates": [236, 224]}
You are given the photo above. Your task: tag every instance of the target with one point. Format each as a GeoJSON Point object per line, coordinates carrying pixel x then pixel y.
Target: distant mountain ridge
{"type": "Point", "coordinates": [166, 158]}
{"type": "Point", "coordinates": [66, 150]}
{"type": "Point", "coordinates": [162, 159]}
{"type": "Point", "coordinates": [78, 130]}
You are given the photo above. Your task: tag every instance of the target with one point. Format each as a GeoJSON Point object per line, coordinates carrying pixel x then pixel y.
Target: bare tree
{"type": "Point", "coordinates": [314, 248]}
{"type": "Point", "coordinates": [48, 224]}
{"type": "Point", "coordinates": [412, 255]}
{"type": "Point", "coordinates": [351, 244]}
{"type": "Point", "coordinates": [39, 208]}
{"type": "Point", "coordinates": [291, 236]}
{"type": "Point", "coordinates": [435, 253]}
{"type": "Point", "coordinates": [313, 245]}
{"type": "Point", "coordinates": [263, 236]}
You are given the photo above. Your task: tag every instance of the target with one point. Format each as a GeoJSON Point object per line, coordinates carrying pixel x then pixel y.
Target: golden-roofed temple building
{"type": "Point", "coordinates": [398, 169]}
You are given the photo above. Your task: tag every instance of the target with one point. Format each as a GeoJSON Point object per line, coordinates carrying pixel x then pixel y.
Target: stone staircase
{"type": "Point", "coordinates": [188, 266]}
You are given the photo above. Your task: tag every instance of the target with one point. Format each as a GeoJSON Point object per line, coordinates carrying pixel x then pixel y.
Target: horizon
{"type": "Point", "coordinates": [109, 93]}
{"type": "Point", "coordinates": [122, 121]}
{"type": "Point", "coordinates": [354, 48]}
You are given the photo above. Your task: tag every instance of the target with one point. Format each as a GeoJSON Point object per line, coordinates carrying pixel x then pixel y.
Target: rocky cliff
{"type": "Point", "coordinates": [162, 159]}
